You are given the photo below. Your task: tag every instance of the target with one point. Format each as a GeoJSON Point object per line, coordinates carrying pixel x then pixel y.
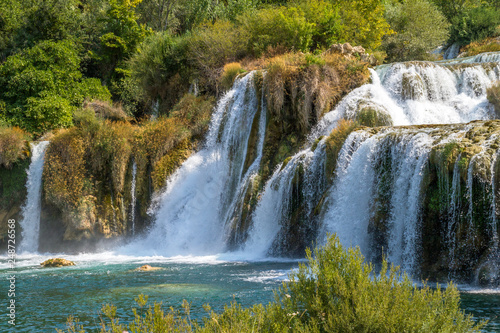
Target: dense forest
{"type": "Point", "coordinates": [58, 55]}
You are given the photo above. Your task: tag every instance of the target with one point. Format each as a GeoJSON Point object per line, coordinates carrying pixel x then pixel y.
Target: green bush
{"type": "Point", "coordinates": [213, 45]}
{"type": "Point", "coordinates": [335, 292]}
{"type": "Point", "coordinates": [43, 86]}
{"type": "Point", "coordinates": [273, 27]}
{"type": "Point", "coordinates": [13, 146]}
{"type": "Point", "coordinates": [474, 24]}
{"type": "Point", "coordinates": [47, 112]}
{"type": "Point", "coordinates": [419, 28]}
{"type": "Point", "coordinates": [363, 22]}
{"type": "Point", "coordinates": [326, 18]}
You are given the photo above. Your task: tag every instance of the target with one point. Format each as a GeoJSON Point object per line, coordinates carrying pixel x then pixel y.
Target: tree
{"type": "Point", "coordinates": [159, 15]}
{"type": "Point", "coordinates": [419, 28]}
{"type": "Point", "coordinates": [120, 38]}
{"type": "Point", "coordinates": [42, 86]}
{"type": "Point", "coordinates": [474, 24]}
{"type": "Point", "coordinates": [363, 22]}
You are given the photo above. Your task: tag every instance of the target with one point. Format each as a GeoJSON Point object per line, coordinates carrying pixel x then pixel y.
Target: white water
{"type": "Point", "coordinates": [417, 93]}
{"type": "Point", "coordinates": [30, 223]}
{"type": "Point", "coordinates": [203, 199]}
{"type": "Point", "coordinates": [133, 198]}
{"type": "Point", "coordinates": [191, 219]}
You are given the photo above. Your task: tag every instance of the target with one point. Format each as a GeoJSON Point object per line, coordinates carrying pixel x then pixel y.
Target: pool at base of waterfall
{"type": "Point", "coordinates": [46, 297]}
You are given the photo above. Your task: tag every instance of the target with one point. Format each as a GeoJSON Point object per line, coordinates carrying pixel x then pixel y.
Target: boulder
{"type": "Point", "coordinates": [349, 51]}
{"type": "Point", "coordinates": [57, 262]}
{"type": "Point", "coordinates": [146, 268]}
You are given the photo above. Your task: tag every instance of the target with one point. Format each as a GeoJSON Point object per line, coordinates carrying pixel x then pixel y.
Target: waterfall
{"type": "Point", "coordinates": [380, 185]}
{"type": "Point", "coordinates": [195, 207]}
{"type": "Point", "coordinates": [452, 51]}
{"type": "Point", "coordinates": [417, 195]}
{"type": "Point", "coordinates": [31, 210]}
{"type": "Point", "coordinates": [133, 198]}
{"type": "Point", "coordinates": [416, 93]}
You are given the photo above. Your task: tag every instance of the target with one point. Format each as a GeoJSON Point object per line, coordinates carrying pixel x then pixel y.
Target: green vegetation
{"type": "Point", "coordinates": [471, 20]}
{"type": "Point", "coordinates": [335, 292]}
{"type": "Point", "coordinates": [147, 54]}
{"type": "Point", "coordinates": [419, 28]}
{"type": "Point", "coordinates": [88, 167]}
{"type": "Point", "coordinates": [334, 143]}
{"type": "Point", "coordinates": [491, 44]}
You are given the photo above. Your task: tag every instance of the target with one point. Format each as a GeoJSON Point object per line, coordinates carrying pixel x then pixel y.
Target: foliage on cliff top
{"type": "Point", "coordinates": [13, 145]}
{"type": "Point", "coordinates": [336, 291]}
{"type": "Point", "coordinates": [419, 28]}
{"type": "Point", "coordinates": [42, 86]}
{"type": "Point", "coordinates": [491, 44]}
{"type": "Point", "coordinates": [300, 87]}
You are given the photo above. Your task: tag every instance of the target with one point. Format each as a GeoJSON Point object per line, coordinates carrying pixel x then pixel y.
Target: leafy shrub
{"type": "Point", "coordinates": [120, 38]}
{"type": "Point", "coordinates": [419, 28]}
{"type": "Point", "coordinates": [47, 112]}
{"type": "Point", "coordinates": [338, 292]}
{"type": "Point", "coordinates": [161, 57]}
{"type": "Point", "coordinates": [270, 27]}
{"type": "Point", "coordinates": [211, 46]}
{"type": "Point", "coordinates": [12, 145]}
{"type": "Point", "coordinates": [231, 71]}
{"type": "Point", "coordinates": [43, 86]}
{"type": "Point", "coordinates": [363, 22]}
{"type": "Point", "coordinates": [474, 24]}
{"type": "Point", "coordinates": [335, 292]}
{"type": "Point", "coordinates": [326, 18]}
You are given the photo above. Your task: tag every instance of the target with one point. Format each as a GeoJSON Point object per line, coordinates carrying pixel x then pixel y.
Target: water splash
{"type": "Point", "coordinates": [191, 218]}
{"type": "Point", "coordinates": [30, 223]}
{"type": "Point", "coordinates": [133, 198]}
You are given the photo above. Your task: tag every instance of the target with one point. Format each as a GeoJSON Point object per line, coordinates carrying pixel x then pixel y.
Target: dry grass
{"type": "Point", "coordinates": [229, 74]}
{"type": "Point", "coordinates": [105, 110]}
{"type": "Point", "coordinates": [491, 44]}
{"type": "Point", "coordinates": [300, 87]}
{"type": "Point", "coordinates": [13, 145]}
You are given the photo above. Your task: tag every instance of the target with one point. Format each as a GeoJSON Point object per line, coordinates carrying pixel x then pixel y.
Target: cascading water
{"type": "Point", "coordinates": [30, 223]}
{"type": "Point", "coordinates": [195, 207]}
{"type": "Point", "coordinates": [386, 193]}
{"type": "Point", "coordinates": [418, 93]}
{"type": "Point", "coordinates": [133, 198]}
{"type": "Point", "coordinates": [378, 189]}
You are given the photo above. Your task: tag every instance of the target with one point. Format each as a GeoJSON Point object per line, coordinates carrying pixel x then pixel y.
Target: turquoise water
{"type": "Point", "coordinates": [46, 297]}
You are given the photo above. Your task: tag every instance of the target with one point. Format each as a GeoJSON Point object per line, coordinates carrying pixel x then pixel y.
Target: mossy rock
{"type": "Point", "coordinates": [147, 268]}
{"type": "Point", "coordinates": [372, 117]}
{"type": "Point", "coordinates": [57, 262]}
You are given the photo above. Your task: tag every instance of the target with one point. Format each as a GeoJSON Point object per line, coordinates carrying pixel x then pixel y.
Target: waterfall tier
{"type": "Point", "coordinates": [31, 210]}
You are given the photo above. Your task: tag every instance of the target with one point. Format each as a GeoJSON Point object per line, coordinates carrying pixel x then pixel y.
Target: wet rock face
{"type": "Point", "coordinates": [457, 222]}
{"type": "Point", "coordinates": [57, 262]}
